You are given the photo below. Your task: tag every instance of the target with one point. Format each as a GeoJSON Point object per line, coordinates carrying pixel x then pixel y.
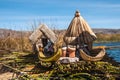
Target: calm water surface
{"type": "Point", "coordinates": [115, 52]}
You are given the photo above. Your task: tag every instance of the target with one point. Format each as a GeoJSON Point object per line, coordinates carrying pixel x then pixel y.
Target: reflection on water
{"type": "Point", "coordinates": [115, 52]}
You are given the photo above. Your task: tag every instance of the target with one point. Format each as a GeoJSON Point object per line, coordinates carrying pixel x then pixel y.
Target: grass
{"type": "Point", "coordinates": [29, 63]}
{"type": "Point", "coordinates": [108, 38]}
{"type": "Point", "coordinates": [15, 44]}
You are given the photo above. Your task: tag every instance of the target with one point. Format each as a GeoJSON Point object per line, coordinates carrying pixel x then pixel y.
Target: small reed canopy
{"type": "Point", "coordinates": [79, 32]}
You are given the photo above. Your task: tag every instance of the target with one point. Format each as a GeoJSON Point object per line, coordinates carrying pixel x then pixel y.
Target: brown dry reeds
{"type": "Point", "coordinates": [108, 37]}
{"type": "Point", "coordinates": [15, 44]}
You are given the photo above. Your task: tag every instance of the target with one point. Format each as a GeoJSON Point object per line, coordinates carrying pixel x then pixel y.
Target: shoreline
{"type": "Point", "coordinates": [106, 58]}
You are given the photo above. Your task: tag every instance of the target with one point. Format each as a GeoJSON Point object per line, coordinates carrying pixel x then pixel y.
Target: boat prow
{"type": "Point", "coordinates": [87, 57]}
{"type": "Point", "coordinates": [51, 58]}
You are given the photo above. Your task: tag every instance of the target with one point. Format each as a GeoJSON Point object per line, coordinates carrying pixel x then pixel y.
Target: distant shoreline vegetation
{"type": "Point", "coordinates": [19, 40]}
{"type": "Point", "coordinates": [107, 38]}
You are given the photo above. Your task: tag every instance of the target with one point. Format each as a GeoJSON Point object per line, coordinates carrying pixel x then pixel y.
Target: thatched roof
{"type": "Point", "coordinates": [79, 31]}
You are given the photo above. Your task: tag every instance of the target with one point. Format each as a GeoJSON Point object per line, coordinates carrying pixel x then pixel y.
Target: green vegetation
{"type": "Point", "coordinates": [108, 38]}
{"type": "Point", "coordinates": [29, 64]}
{"type": "Point", "coordinates": [86, 70]}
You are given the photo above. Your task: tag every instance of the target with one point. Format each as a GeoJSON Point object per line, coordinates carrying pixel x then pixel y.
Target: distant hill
{"type": "Point", "coordinates": [107, 31]}
{"type": "Point", "coordinates": [13, 33]}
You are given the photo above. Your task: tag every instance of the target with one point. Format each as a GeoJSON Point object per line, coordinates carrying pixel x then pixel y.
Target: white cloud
{"type": "Point", "coordinates": [60, 22]}
{"type": "Point", "coordinates": [33, 17]}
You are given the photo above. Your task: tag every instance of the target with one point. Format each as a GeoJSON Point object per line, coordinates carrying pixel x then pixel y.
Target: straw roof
{"type": "Point", "coordinates": [79, 31]}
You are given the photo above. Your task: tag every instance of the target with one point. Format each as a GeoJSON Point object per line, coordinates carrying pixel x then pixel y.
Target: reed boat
{"type": "Point", "coordinates": [95, 55]}
{"type": "Point", "coordinates": [52, 58]}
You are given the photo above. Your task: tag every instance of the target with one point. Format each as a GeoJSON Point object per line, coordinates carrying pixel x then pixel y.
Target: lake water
{"type": "Point", "coordinates": [115, 52]}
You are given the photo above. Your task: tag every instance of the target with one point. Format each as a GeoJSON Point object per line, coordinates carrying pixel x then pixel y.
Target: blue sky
{"type": "Point", "coordinates": [23, 14]}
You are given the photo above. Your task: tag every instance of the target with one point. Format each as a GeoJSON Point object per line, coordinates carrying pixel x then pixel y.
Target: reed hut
{"type": "Point", "coordinates": [79, 32]}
